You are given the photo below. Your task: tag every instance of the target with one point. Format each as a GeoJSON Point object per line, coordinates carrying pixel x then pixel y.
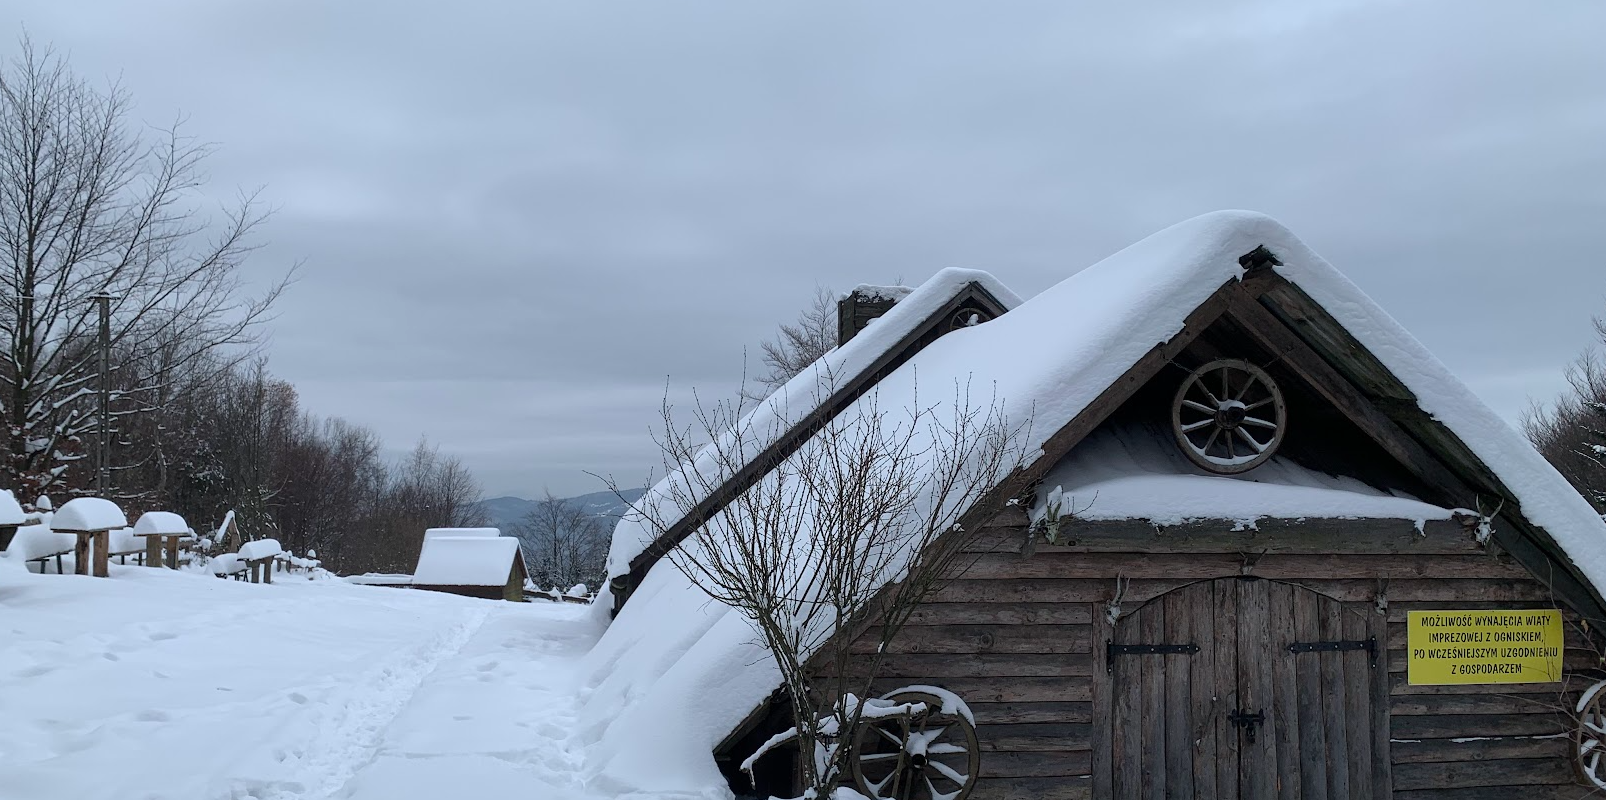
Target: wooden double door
{"type": "Point", "coordinates": [1247, 688]}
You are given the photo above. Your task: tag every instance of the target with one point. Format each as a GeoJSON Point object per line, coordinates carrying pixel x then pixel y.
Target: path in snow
{"type": "Point", "coordinates": [156, 684]}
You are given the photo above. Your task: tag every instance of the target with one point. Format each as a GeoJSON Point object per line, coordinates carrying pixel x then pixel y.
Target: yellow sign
{"type": "Point", "coordinates": [1457, 647]}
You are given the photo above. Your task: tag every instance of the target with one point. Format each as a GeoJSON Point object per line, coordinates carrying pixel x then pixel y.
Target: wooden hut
{"type": "Point", "coordinates": [491, 567]}
{"type": "Point", "coordinates": [1264, 546]}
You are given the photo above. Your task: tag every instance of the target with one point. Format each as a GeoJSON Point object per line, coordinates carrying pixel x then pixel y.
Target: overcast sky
{"type": "Point", "coordinates": [520, 219]}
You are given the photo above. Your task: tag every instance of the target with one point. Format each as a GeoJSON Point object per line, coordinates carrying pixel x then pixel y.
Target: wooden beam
{"type": "Point", "coordinates": [1292, 351]}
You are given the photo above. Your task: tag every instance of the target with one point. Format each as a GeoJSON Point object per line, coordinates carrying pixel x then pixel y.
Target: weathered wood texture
{"type": "Point", "coordinates": [1023, 640]}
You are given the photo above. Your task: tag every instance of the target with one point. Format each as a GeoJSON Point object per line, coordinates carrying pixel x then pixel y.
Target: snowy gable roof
{"type": "Point", "coordinates": [433, 533]}
{"type": "Point", "coordinates": [466, 561]}
{"type": "Point", "coordinates": [788, 408]}
{"type": "Point", "coordinates": [673, 655]}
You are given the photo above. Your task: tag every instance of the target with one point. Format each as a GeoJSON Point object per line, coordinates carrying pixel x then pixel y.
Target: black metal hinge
{"type": "Point", "coordinates": [1369, 644]}
{"type": "Point", "coordinates": [1112, 650]}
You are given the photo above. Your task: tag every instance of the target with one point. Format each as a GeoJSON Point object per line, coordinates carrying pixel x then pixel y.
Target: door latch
{"type": "Point", "coordinates": [1249, 722]}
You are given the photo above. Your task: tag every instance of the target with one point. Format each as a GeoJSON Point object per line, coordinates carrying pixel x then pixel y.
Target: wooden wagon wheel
{"type": "Point", "coordinates": [1591, 736]}
{"type": "Point", "coordinates": [1228, 416]}
{"type": "Point", "coordinates": [931, 755]}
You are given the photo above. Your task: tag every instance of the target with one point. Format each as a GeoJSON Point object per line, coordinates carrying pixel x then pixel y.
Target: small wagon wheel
{"type": "Point", "coordinates": [929, 755]}
{"type": "Point", "coordinates": [1228, 416]}
{"type": "Point", "coordinates": [1591, 736]}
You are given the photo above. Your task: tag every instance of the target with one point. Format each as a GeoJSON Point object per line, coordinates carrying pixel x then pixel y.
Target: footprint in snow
{"type": "Point", "coordinates": [34, 672]}
{"type": "Point", "coordinates": [152, 715]}
{"type": "Point", "coordinates": [111, 656]}
{"type": "Point", "coordinates": [298, 698]}
{"type": "Point", "coordinates": [162, 636]}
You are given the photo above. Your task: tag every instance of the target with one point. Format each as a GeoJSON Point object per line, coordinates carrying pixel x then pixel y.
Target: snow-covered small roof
{"type": "Point", "coordinates": [155, 522]}
{"type": "Point", "coordinates": [261, 548]}
{"type": "Point", "coordinates": [88, 514]}
{"type": "Point", "coordinates": [433, 533]}
{"type": "Point", "coordinates": [10, 510]}
{"type": "Point", "coordinates": [870, 291]}
{"type": "Point", "coordinates": [466, 561]}
{"type": "Point", "coordinates": [801, 396]}
{"type": "Point", "coordinates": [1136, 473]}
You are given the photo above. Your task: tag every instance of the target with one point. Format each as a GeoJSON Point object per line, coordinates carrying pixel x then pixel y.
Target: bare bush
{"type": "Point", "coordinates": [846, 535]}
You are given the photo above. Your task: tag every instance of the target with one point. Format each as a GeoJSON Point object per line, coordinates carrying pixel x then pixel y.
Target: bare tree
{"type": "Point", "coordinates": [799, 344]}
{"type": "Point", "coordinates": [1572, 433]}
{"type": "Point", "coordinates": [90, 205]}
{"type": "Point", "coordinates": [563, 544]}
{"type": "Point", "coordinates": [850, 533]}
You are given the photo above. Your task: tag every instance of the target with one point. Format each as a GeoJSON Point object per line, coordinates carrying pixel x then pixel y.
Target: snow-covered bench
{"type": "Point", "coordinates": [39, 543]}
{"type": "Point", "coordinates": [228, 565]}
{"type": "Point", "coordinates": [259, 555]}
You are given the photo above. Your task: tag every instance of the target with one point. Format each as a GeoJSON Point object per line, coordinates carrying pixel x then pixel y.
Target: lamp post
{"type": "Point", "coordinates": [103, 459]}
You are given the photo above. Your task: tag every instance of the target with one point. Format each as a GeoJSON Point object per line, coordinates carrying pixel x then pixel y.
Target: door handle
{"type": "Point", "coordinates": [1246, 720]}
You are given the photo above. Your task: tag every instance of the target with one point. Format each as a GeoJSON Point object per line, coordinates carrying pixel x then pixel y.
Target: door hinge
{"type": "Point", "coordinates": [1112, 650]}
{"type": "Point", "coordinates": [1369, 644]}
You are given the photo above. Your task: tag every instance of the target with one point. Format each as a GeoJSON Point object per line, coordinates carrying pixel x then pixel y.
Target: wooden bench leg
{"type": "Point", "coordinates": [103, 555]}
{"type": "Point", "coordinates": [80, 555]}
{"type": "Point", "coordinates": [153, 551]}
{"type": "Point", "coordinates": [172, 553]}
{"type": "Point", "coordinates": [267, 572]}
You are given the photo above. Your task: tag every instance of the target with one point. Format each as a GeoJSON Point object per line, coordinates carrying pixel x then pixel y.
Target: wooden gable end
{"type": "Point", "coordinates": [973, 297]}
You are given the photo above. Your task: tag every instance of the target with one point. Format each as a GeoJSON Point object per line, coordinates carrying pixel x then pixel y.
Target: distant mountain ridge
{"type": "Point", "coordinates": [505, 511]}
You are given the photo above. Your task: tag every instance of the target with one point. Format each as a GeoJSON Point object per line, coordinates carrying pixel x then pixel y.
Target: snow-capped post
{"type": "Point", "coordinates": [11, 517]}
{"type": "Point", "coordinates": [849, 533]}
{"type": "Point", "coordinates": [161, 530]}
{"type": "Point", "coordinates": [91, 519]}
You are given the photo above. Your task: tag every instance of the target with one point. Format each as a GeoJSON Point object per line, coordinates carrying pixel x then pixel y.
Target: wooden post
{"type": "Point", "coordinates": [153, 551]}
{"type": "Point", "coordinates": [172, 551]}
{"type": "Point", "coordinates": [103, 551]}
{"type": "Point", "coordinates": [80, 554]}
{"type": "Point", "coordinates": [267, 572]}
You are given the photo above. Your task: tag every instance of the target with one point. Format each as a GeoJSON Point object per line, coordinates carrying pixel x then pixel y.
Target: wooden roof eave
{"type": "Point", "coordinates": [794, 437]}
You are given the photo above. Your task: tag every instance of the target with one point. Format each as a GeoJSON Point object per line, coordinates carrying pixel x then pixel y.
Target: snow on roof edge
{"type": "Point", "coordinates": [795, 400]}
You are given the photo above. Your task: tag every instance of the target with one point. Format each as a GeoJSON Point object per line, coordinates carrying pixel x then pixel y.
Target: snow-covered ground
{"type": "Point", "coordinates": [159, 684]}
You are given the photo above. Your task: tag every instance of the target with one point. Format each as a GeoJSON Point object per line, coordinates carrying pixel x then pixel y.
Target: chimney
{"type": "Point", "coordinates": [858, 308]}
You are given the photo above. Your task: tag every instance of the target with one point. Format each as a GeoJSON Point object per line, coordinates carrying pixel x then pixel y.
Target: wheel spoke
{"type": "Point", "coordinates": [1205, 451]}
{"type": "Point", "coordinates": [1230, 454]}
{"type": "Point", "coordinates": [1214, 400]}
{"type": "Point", "coordinates": [879, 756]}
{"type": "Point", "coordinates": [1200, 407]}
{"type": "Point", "coordinates": [1193, 426]}
{"type": "Point", "coordinates": [1260, 423]}
{"type": "Point", "coordinates": [948, 772]}
{"type": "Point", "coordinates": [889, 737]}
{"type": "Point", "coordinates": [1259, 448]}
{"type": "Point", "coordinates": [1257, 404]}
{"type": "Point", "coordinates": [936, 795]}
{"type": "Point", "coordinates": [946, 749]}
{"type": "Point", "coordinates": [1226, 389]}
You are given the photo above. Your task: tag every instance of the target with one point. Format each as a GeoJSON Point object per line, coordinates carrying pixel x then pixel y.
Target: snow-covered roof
{"type": "Point", "coordinates": [801, 396]}
{"type": "Point", "coordinates": [674, 657]}
{"type": "Point", "coordinates": [10, 510]}
{"type": "Point", "coordinates": [433, 533]}
{"type": "Point", "coordinates": [88, 514]}
{"type": "Point", "coordinates": [261, 548]}
{"type": "Point", "coordinates": [154, 522]}
{"type": "Point", "coordinates": [466, 561]}
{"type": "Point", "coordinates": [1132, 472]}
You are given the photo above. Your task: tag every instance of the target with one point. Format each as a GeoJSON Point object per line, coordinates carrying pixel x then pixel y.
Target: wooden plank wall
{"type": "Point", "coordinates": [1021, 638]}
